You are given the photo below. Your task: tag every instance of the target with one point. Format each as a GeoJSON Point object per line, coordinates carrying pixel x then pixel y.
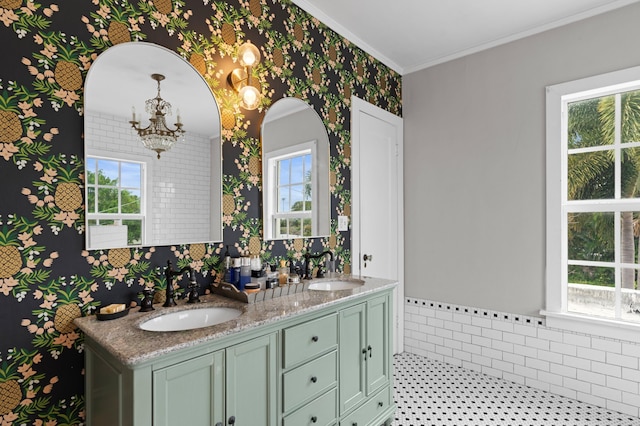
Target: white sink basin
{"type": "Point", "coordinates": [334, 285]}
{"type": "Point", "coordinates": [190, 319]}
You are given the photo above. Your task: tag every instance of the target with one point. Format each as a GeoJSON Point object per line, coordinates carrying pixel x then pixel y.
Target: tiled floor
{"type": "Point", "coordinates": [429, 393]}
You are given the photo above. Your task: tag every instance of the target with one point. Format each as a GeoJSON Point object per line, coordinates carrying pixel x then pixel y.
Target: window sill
{"type": "Point", "coordinates": [595, 326]}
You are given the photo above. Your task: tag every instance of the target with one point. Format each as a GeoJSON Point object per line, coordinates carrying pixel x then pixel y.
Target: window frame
{"type": "Point", "coordinates": [557, 98]}
{"type": "Point", "coordinates": [271, 184]}
{"type": "Point", "coordinates": [144, 196]}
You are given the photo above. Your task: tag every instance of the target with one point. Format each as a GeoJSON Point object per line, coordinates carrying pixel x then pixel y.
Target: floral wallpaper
{"type": "Point", "coordinates": [46, 277]}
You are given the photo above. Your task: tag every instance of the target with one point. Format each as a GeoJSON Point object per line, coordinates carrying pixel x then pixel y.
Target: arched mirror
{"type": "Point", "coordinates": [153, 172]}
{"type": "Point", "coordinates": [295, 171]}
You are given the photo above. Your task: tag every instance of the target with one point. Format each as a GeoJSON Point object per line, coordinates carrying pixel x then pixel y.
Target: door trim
{"type": "Point", "coordinates": [359, 106]}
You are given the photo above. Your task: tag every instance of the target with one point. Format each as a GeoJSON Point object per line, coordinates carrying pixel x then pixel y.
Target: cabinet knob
{"type": "Point", "coordinates": [314, 379]}
{"type": "Point", "coordinates": [314, 419]}
{"type": "Point", "coordinates": [232, 420]}
{"type": "Point", "coordinates": [364, 351]}
{"type": "Point", "coordinates": [380, 403]}
{"type": "Point", "coordinates": [369, 351]}
{"type": "Point", "coordinates": [314, 338]}
{"type": "Point", "coordinates": [219, 424]}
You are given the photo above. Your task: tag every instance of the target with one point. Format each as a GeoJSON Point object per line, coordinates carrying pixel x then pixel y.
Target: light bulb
{"type": "Point", "coordinates": [248, 54]}
{"type": "Point", "coordinates": [250, 97]}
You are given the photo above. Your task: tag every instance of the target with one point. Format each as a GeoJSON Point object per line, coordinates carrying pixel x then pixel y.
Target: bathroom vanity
{"type": "Point", "coordinates": [309, 358]}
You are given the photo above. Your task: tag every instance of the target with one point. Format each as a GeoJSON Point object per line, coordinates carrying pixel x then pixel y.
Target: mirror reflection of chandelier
{"type": "Point", "coordinates": [157, 136]}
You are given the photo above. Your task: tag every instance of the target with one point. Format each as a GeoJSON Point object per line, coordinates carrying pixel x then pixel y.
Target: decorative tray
{"type": "Point", "coordinates": [229, 290]}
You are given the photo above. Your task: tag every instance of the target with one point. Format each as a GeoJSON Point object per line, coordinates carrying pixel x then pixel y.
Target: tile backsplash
{"type": "Point", "coordinates": [522, 349]}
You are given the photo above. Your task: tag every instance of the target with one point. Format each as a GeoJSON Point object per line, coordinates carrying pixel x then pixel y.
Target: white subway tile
{"type": "Point", "coordinates": [453, 344]}
{"type": "Point", "coordinates": [631, 399]}
{"type": "Point", "coordinates": [593, 378]}
{"type": "Point", "coordinates": [462, 318]}
{"type": "Point", "coordinates": [462, 355]}
{"type": "Point", "coordinates": [622, 384]}
{"type": "Point", "coordinates": [471, 348]}
{"type": "Point", "coordinates": [577, 385]}
{"type": "Point", "coordinates": [606, 393]}
{"type": "Point", "coordinates": [534, 342]}
{"type": "Point", "coordinates": [482, 341]}
{"type": "Point", "coordinates": [592, 354]}
{"type": "Point", "coordinates": [576, 339]}
{"type": "Point", "coordinates": [491, 353]}
{"type": "Point", "coordinates": [481, 360]}
{"type": "Point", "coordinates": [502, 365]}
{"type": "Point", "coordinates": [552, 379]}
{"type": "Point", "coordinates": [552, 335]}
{"type": "Point", "coordinates": [606, 369]}
{"type": "Point", "coordinates": [525, 330]}
{"type": "Point", "coordinates": [446, 334]}
{"type": "Point", "coordinates": [444, 351]}
{"type": "Point", "coordinates": [462, 337]}
{"type": "Point", "coordinates": [502, 346]}
{"type": "Point", "coordinates": [444, 315]}
{"type": "Point", "coordinates": [550, 356]}
{"type": "Point", "coordinates": [631, 374]}
{"type": "Point", "coordinates": [514, 338]}
{"type": "Point", "coordinates": [472, 329]}
{"type": "Point", "coordinates": [492, 334]}
{"type": "Point", "coordinates": [453, 326]}
{"type": "Point", "coordinates": [537, 364]}
{"type": "Point", "coordinates": [563, 348]}
{"type": "Point", "coordinates": [631, 349]}
{"type": "Point", "coordinates": [481, 322]}
{"type": "Point", "coordinates": [514, 358]}
{"type": "Point", "coordinates": [502, 326]}
{"type": "Point", "coordinates": [622, 360]}
{"type": "Point", "coordinates": [606, 345]}
{"type": "Point", "coordinates": [563, 370]}
{"type": "Point", "coordinates": [525, 350]}
{"type": "Point", "coordinates": [581, 363]}
{"type": "Point", "coordinates": [530, 373]}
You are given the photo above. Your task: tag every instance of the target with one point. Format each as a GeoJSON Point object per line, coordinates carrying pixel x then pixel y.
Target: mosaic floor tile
{"type": "Point", "coordinates": [432, 393]}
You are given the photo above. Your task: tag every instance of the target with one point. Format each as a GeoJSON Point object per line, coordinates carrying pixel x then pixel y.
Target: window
{"type": "Point", "coordinates": [115, 199]}
{"type": "Point", "coordinates": [291, 182]}
{"type": "Point", "coordinates": [593, 203]}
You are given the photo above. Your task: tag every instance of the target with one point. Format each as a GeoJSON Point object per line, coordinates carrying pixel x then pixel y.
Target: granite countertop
{"type": "Point", "coordinates": [132, 346]}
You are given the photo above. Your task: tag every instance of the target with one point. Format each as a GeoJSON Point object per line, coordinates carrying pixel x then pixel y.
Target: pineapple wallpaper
{"type": "Point", "coordinates": [47, 278]}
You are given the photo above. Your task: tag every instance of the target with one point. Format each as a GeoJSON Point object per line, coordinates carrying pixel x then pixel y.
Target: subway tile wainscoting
{"type": "Point", "coordinates": [521, 349]}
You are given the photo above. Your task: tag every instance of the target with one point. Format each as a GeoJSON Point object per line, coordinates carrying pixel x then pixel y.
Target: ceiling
{"type": "Point", "coordinates": [409, 35]}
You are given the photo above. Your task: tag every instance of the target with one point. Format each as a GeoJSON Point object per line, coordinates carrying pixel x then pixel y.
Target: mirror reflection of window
{"type": "Point", "coordinates": [295, 160]}
{"type": "Point", "coordinates": [294, 190]}
{"type": "Point", "coordinates": [115, 204]}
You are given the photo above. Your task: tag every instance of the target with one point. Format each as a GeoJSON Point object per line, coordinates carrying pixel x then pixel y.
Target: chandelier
{"type": "Point", "coordinates": [157, 136]}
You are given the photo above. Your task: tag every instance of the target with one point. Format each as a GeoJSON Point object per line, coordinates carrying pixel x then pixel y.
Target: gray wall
{"type": "Point", "coordinates": [474, 161]}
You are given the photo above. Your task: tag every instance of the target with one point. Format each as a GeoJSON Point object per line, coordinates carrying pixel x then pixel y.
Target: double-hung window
{"type": "Point", "coordinates": [290, 187]}
{"type": "Point", "coordinates": [593, 205]}
{"type": "Point", "coordinates": [115, 201]}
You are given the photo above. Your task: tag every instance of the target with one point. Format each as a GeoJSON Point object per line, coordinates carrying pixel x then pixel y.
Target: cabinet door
{"type": "Point", "coordinates": [190, 392]}
{"type": "Point", "coordinates": [251, 382]}
{"type": "Point", "coordinates": [378, 329]}
{"type": "Point", "coordinates": [352, 356]}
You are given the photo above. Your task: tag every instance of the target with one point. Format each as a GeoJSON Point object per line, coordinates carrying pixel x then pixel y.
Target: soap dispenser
{"type": "Point", "coordinates": [283, 273]}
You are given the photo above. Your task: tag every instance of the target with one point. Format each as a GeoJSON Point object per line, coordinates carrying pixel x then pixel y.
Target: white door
{"type": "Point", "coordinates": [377, 201]}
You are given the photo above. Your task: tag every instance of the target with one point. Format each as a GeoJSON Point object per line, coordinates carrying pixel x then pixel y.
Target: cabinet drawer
{"type": "Point", "coordinates": [305, 341]}
{"type": "Point", "coordinates": [320, 412]}
{"type": "Point", "coordinates": [370, 409]}
{"type": "Point", "coordinates": [309, 380]}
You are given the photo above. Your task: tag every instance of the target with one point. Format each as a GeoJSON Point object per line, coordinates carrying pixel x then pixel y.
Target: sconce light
{"type": "Point", "coordinates": [157, 136]}
{"type": "Point", "coordinates": [240, 78]}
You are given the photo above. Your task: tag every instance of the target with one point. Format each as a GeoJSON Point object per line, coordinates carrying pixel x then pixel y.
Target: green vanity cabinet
{"type": "Point", "coordinates": [195, 386]}
{"type": "Point", "coordinates": [205, 391]}
{"type": "Point", "coordinates": [365, 359]}
{"type": "Point", "coordinates": [329, 365]}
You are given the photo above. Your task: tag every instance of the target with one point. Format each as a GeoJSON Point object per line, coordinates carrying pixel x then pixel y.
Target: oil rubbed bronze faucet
{"type": "Point", "coordinates": [307, 264]}
{"type": "Point", "coordinates": [169, 275]}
